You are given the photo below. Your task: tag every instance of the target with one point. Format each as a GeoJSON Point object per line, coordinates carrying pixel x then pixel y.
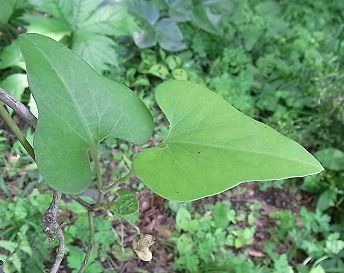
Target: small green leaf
{"type": "Point", "coordinates": [183, 219]}
{"type": "Point", "coordinates": [8, 245]}
{"type": "Point", "coordinates": [334, 244]}
{"type": "Point", "coordinates": [146, 10]}
{"type": "Point", "coordinates": [184, 244]}
{"type": "Point", "coordinates": [78, 108]}
{"type": "Point", "coordinates": [180, 74]}
{"type": "Point", "coordinates": [159, 71]}
{"type": "Point", "coordinates": [220, 215]}
{"type": "Point", "coordinates": [331, 158]}
{"type": "Point", "coordinates": [145, 37]}
{"type": "Point", "coordinates": [126, 203]}
{"type": "Point", "coordinates": [54, 28]}
{"type": "Point", "coordinates": [212, 147]}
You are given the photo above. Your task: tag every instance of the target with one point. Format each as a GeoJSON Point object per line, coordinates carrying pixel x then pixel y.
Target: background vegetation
{"type": "Point", "coordinates": [280, 62]}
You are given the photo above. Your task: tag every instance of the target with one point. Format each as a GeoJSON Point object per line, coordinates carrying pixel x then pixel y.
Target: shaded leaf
{"type": "Point", "coordinates": [145, 37]}
{"type": "Point", "coordinates": [331, 158]}
{"type": "Point", "coordinates": [159, 70]}
{"type": "Point", "coordinates": [78, 108]}
{"type": "Point", "coordinates": [169, 35]}
{"type": "Point", "coordinates": [54, 28]}
{"type": "Point", "coordinates": [109, 20]}
{"type": "Point", "coordinates": [145, 10]}
{"type": "Point", "coordinates": [97, 50]}
{"type": "Point", "coordinates": [15, 84]}
{"type": "Point", "coordinates": [11, 56]}
{"type": "Point", "coordinates": [212, 147]}
{"type": "Point", "coordinates": [201, 18]}
{"type": "Point", "coordinates": [180, 10]}
{"type": "Point", "coordinates": [183, 219]}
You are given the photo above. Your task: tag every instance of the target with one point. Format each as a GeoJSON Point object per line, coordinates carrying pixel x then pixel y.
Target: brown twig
{"type": "Point", "coordinates": [19, 108]}
{"type": "Point", "coordinates": [53, 229]}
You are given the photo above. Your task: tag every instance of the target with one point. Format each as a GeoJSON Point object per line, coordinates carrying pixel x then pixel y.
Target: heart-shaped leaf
{"type": "Point", "coordinates": [78, 108]}
{"type": "Point", "coordinates": [126, 203]}
{"type": "Point", "coordinates": [212, 147]}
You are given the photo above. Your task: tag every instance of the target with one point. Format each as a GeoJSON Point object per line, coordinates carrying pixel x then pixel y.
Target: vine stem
{"type": "Point", "coordinates": [52, 228]}
{"type": "Point", "coordinates": [90, 243]}
{"type": "Point", "coordinates": [94, 155]}
{"type": "Point", "coordinates": [83, 203]}
{"type": "Point", "coordinates": [15, 129]}
{"type": "Point", "coordinates": [20, 109]}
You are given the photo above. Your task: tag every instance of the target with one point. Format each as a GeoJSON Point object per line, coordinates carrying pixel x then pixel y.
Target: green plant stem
{"type": "Point", "coordinates": [82, 202]}
{"type": "Point", "coordinates": [90, 242]}
{"type": "Point", "coordinates": [94, 155]}
{"type": "Point", "coordinates": [15, 129]}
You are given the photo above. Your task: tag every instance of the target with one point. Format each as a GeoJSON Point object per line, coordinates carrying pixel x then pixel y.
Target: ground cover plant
{"type": "Point", "coordinates": [272, 47]}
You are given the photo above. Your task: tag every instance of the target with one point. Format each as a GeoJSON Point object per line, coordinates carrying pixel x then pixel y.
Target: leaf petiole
{"type": "Point", "coordinates": [94, 156]}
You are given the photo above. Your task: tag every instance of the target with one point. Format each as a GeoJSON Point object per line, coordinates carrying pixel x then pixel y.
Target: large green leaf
{"type": "Point", "coordinates": [77, 109]}
{"type": "Point", "coordinates": [212, 147]}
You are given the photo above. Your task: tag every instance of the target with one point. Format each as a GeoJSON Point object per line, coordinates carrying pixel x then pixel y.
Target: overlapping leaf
{"type": "Point", "coordinates": [164, 32]}
{"type": "Point", "coordinates": [88, 21]}
{"type": "Point", "coordinates": [212, 147]}
{"type": "Point", "coordinates": [77, 109]}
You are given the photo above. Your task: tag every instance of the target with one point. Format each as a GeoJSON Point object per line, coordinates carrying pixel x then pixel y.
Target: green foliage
{"type": "Point", "coordinates": [84, 25]}
{"type": "Point", "coordinates": [106, 240]}
{"type": "Point", "coordinates": [24, 246]}
{"type": "Point", "coordinates": [332, 159]}
{"type": "Point", "coordinates": [80, 125]}
{"type": "Point", "coordinates": [204, 244]}
{"type": "Point", "coordinates": [313, 235]}
{"type": "Point", "coordinates": [279, 62]}
{"type": "Point", "coordinates": [210, 140]}
{"type": "Point", "coordinates": [164, 31]}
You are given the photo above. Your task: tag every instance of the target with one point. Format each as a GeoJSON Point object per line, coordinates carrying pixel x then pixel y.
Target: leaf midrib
{"type": "Point", "coordinates": [233, 149]}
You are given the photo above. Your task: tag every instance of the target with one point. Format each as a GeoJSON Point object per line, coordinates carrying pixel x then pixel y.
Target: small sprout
{"type": "Point", "coordinates": [141, 247]}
